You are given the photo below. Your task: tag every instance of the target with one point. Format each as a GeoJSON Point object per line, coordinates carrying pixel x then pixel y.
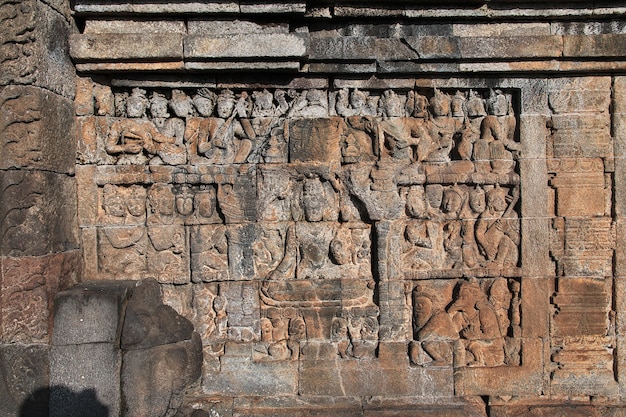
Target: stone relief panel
{"type": "Point", "coordinates": [304, 219]}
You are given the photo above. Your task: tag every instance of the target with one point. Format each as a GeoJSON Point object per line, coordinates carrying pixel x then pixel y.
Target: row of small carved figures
{"type": "Point", "coordinates": [204, 102]}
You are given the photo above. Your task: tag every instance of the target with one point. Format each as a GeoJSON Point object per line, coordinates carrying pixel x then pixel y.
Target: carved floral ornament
{"type": "Point", "coordinates": [290, 196]}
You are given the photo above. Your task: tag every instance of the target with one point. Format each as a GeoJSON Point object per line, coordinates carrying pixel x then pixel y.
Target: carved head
{"type": "Point", "coordinates": [204, 101]}
{"type": "Point", "coordinates": [341, 249]}
{"type": "Point", "coordinates": [225, 104]}
{"type": "Point", "coordinates": [468, 297]}
{"type": "Point", "coordinates": [496, 198]}
{"type": "Point", "coordinates": [499, 294]}
{"type": "Point", "coordinates": [358, 99]}
{"type": "Point", "coordinates": [497, 103]}
{"type": "Point", "coordinates": [181, 104]}
{"type": "Point", "coordinates": [458, 104]}
{"type": "Point", "coordinates": [158, 106]}
{"type": "Point", "coordinates": [184, 201]}
{"type": "Point", "coordinates": [263, 100]}
{"type": "Point", "coordinates": [475, 105]}
{"type": "Point", "coordinates": [440, 104]}
{"type": "Point", "coordinates": [113, 203]}
{"type": "Point", "coordinates": [204, 202]}
{"type": "Point", "coordinates": [391, 104]}
{"type": "Point", "coordinates": [297, 329]}
{"type": "Point", "coordinates": [416, 202]}
{"type": "Point", "coordinates": [161, 199]}
{"type": "Point", "coordinates": [313, 198]}
{"type": "Point", "coordinates": [477, 200]}
{"type": "Point", "coordinates": [422, 309]}
{"type": "Point", "coordinates": [219, 303]}
{"type": "Point", "coordinates": [136, 203]}
{"type": "Point", "coordinates": [339, 328]}
{"type": "Point", "coordinates": [266, 329]}
{"type": "Point", "coordinates": [452, 200]}
{"type": "Point", "coordinates": [137, 103]}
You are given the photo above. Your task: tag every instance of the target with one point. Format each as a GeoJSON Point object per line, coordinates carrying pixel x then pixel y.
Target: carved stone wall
{"type": "Point", "coordinates": [363, 210]}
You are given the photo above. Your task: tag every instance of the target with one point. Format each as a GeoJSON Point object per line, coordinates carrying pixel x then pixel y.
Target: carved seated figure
{"type": "Point", "coordinates": [435, 332]}
{"type": "Point", "coordinates": [497, 229]}
{"type": "Point", "coordinates": [441, 129]}
{"type": "Point", "coordinates": [230, 140]}
{"type": "Point", "coordinates": [478, 326]}
{"type": "Point", "coordinates": [494, 150]}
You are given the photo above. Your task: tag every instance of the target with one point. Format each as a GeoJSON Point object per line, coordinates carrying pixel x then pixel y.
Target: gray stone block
{"type": "Point", "coordinates": [85, 380]}
{"type": "Point", "coordinates": [24, 372]}
{"type": "Point", "coordinates": [91, 313]}
{"type": "Point", "coordinates": [115, 46]}
{"type": "Point", "coordinates": [38, 212]}
{"type": "Point", "coordinates": [272, 45]}
{"type": "Point", "coordinates": [39, 130]}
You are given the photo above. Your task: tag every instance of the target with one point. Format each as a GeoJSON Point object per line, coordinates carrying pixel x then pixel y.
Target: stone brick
{"type": "Point", "coordinates": [127, 46]}
{"type": "Point", "coordinates": [273, 45]}
{"type": "Point", "coordinates": [434, 47]}
{"type": "Point", "coordinates": [36, 46]}
{"type": "Point", "coordinates": [511, 47]}
{"type": "Point", "coordinates": [84, 380]}
{"type": "Point", "coordinates": [154, 379]}
{"type": "Point", "coordinates": [38, 209]}
{"type": "Point", "coordinates": [611, 45]}
{"type": "Point", "coordinates": [27, 292]}
{"type": "Point", "coordinates": [38, 130]}
{"type": "Point", "coordinates": [344, 48]}
{"type": "Point", "coordinates": [91, 313]}
{"type": "Point", "coordinates": [24, 370]}
{"type": "Point", "coordinates": [233, 27]}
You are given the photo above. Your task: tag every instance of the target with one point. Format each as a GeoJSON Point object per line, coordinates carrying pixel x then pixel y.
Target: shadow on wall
{"type": "Point", "coordinates": [67, 403]}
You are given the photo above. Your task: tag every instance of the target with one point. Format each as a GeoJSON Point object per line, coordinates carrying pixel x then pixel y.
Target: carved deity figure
{"type": "Point", "coordinates": [497, 229]}
{"type": "Point", "coordinates": [441, 128]}
{"type": "Point", "coordinates": [230, 136]}
{"type": "Point", "coordinates": [477, 321]}
{"type": "Point", "coordinates": [433, 332]}
{"type": "Point", "coordinates": [494, 150]}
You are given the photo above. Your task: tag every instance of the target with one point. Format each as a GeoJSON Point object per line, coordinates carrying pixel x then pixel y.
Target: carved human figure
{"type": "Point", "coordinates": [221, 318]}
{"type": "Point", "coordinates": [497, 229]}
{"type": "Point", "coordinates": [231, 136]}
{"type": "Point", "coordinates": [364, 337]}
{"type": "Point", "coordinates": [297, 335]}
{"type": "Point", "coordinates": [184, 200]}
{"type": "Point", "coordinates": [129, 138]}
{"type": "Point", "coordinates": [454, 208]}
{"type": "Point", "coordinates": [496, 143]}
{"type": "Point", "coordinates": [204, 203]}
{"type": "Point", "coordinates": [167, 237]}
{"type": "Point", "coordinates": [204, 101]}
{"type": "Point", "coordinates": [417, 105]}
{"type": "Point", "coordinates": [137, 103]}
{"type": "Point", "coordinates": [120, 249]}
{"type": "Point", "coordinates": [401, 138]}
{"type": "Point", "coordinates": [477, 204]}
{"type": "Point", "coordinates": [339, 335]}
{"type": "Point", "coordinates": [470, 132]}
{"type": "Point", "coordinates": [230, 203]}
{"type": "Point", "coordinates": [434, 330]}
{"type": "Point", "coordinates": [158, 106]}
{"type": "Point", "coordinates": [310, 103]}
{"type": "Point", "coordinates": [441, 128]}
{"type": "Point", "coordinates": [478, 326]}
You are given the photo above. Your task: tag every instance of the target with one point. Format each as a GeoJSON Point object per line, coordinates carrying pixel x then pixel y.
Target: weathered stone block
{"type": "Point", "coordinates": [511, 47]}
{"type": "Point", "coordinates": [35, 45]}
{"type": "Point", "coordinates": [27, 291]}
{"type": "Point", "coordinates": [91, 313]}
{"type": "Point", "coordinates": [24, 370]}
{"type": "Point", "coordinates": [434, 47]}
{"type": "Point", "coordinates": [154, 379]}
{"type": "Point", "coordinates": [610, 45]}
{"type": "Point", "coordinates": [315, 140]}
{"type": "Point", "coordinates": [164, 327]}
{"type": "Point", "coordinates": [273, 45]}
{"type": "Point", "coordinates": [242, 377]}
{"type": "Point", "coordinates": [233, 27]}
{"type": "Point", "coordinates": [84, 380]}
{"type": "Point", "coordinates": [115, 46]}
{"type": "Point", "coordinates": [38, 130]}
{"type": "Point", "coordinates": [344, 47]}
{"type": "Point", "coordinates": [38, 209]}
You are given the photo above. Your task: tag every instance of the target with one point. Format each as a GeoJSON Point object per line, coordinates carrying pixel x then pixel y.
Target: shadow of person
{"type": "Point", "coordinates": [58, 400]}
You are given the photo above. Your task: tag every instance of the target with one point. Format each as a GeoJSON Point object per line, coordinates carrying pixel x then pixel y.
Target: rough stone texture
{"type": "Point", "coordinates": [27, 291]}
{"type": "Point", "coordinates": [38, 212]}
{"type": "Point", "coordinates": [37, 128]}
{"type": "Point", "coordinates": [130, 354]}
{"type": "Point", "coordinates": [35, 47]}
{"type": "Point", "coordinates": [24, 374]}
{"type": "Point", "coordinates": [352, 209]}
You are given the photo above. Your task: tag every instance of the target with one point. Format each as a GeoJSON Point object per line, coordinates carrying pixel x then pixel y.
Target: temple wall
{"type": "Point", "coordinates": [360, 210]}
